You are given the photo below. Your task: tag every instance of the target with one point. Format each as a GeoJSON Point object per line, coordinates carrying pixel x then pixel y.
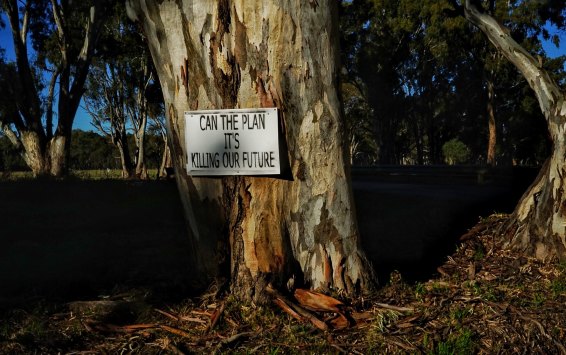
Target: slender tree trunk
{"type": "Point", "coordinates": [141, 168]}
{"type": "Point", "coordinates": [262, 54]}
{"type": "Point", "coordinates": [121, 142]}
{"type": "Point", "coordinates": [538, 224]}
{"type": "Point", "coordinates": [492, 139]}
{"type": "Point", "coordinates": [165, 161]}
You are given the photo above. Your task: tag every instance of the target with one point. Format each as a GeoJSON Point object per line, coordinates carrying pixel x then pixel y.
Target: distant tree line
{"type": "Point", "coordinates": [89, 150]}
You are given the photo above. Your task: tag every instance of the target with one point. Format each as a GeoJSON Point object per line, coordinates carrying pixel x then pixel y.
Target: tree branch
{"type": "Point", "coordinates": [546, 90]}
{"type": "Point", "coordinates": [49, 105]}
{"type": "Point", "coordinates": [25, 23]}
{"type": "Point", "coordinates": [92, 30]}
{"type": "Point", "coordinates": [30, 108]}
{"type": "Point", "coordinates": [60, 22]}
{"type": "Point", "coordinates": [11, 136]}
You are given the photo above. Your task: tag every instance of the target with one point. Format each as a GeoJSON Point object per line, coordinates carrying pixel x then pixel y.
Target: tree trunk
{"type": "Point", "coordinates": [124, 151]}
{"type": "Point", "coordinates": [492, 138]}
{"type": "Point", "coordinates": [538, 224]}
{"type": "Point", "coordinates": [58, 151]}
{"type": "Point", "coordinates": [141, 168]}
{"type": "Point", "coordinates": [224, 54]}
{"type": "Point", "coordinates": [165, 161]}
{"type": "Point", "coordinates": [44, 159]}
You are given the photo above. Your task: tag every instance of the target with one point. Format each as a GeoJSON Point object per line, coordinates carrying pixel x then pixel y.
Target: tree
{"type": "Point", "coordinates": [63, 35]}
{"type": "Point", "coordinates": [298, 226]}
{"type": "Point", "coordinates": [428, 78]}
{"type": "Point", "coordinates": [158, 128]}
{"type": "Point", "coordinates": [538, 224]}
{"type": "Point", "coordinates": [117, 90]}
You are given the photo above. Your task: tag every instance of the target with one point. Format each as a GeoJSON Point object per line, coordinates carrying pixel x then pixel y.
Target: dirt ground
{"type": "Point", "coordinates": [84, 289]}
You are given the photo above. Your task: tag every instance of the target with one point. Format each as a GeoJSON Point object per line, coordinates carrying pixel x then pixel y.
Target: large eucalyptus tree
{"type": "Point", "coordinates": [235, 54]}
{"type": "Point", "coordinates": [538, 225]}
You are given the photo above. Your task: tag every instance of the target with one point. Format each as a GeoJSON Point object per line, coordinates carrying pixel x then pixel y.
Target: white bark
{"type": "Point", "coordinates": [538, 225]}
{"type": "Point", "coordinates": [263, 54]}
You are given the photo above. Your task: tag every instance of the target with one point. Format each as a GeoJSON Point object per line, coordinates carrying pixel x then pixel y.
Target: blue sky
{"type": "Point", "coordinates": [82, 120]}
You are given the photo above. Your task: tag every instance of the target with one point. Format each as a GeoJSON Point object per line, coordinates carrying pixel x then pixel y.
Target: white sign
{"type": "Point", "coordinates": [232, 142]}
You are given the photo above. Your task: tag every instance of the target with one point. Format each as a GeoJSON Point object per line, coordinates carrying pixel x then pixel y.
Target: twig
{"type": "Point", "coordinates": [192, 319]}
{"type": "Point", "coordinates": [339, 348]}
{"type": "Point", "coordinates": [540, 327]}
{"type": "Point", "coordinates": [395, 308]}
{"type": "Point", "coordinates": [400, 344]}
{"type": "Point", "coordinates": [175, 331]}
{"type": "Point", "coordinates": [215, 317]}
{"type": "Point", "coordinates": [138, 326]}
{"type": "Point", "coordinates": [167, 314]}
{"type": "Point", "coordinates": [236, 337]}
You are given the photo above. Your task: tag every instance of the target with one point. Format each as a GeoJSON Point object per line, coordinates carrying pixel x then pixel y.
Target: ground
{"type": "Point", "coordinates": [481, 300]}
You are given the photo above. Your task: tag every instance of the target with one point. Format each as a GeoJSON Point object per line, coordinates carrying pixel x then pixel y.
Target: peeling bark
{"type": "Point", "coordinates": [262, 54]}
{"type": "Point", "coordinates": [538, 224]}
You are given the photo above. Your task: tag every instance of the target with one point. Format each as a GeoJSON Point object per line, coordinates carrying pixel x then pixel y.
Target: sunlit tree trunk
{"type": "Point", "coordinates": [228, 54]}
{"type": "Point", "coordinates": [538, 225]}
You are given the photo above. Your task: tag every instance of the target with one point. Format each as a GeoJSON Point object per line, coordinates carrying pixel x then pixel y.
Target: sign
{"type": "Point", "coordinates": [232, 142]}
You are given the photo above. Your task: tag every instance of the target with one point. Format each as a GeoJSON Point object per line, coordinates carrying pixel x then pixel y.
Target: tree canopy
{"type": "Point", "coordinates": [423, 77]}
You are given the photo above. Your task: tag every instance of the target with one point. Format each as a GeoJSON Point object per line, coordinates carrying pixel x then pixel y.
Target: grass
{"type": "Point", "coordinates": [94, 174]}
{"type": "Point", "coordinates": [460, 343]}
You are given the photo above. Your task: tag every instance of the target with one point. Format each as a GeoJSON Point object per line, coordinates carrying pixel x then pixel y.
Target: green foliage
{"type": "Point", "coordinates": [558, 285]}
{"type": "Point", "coordinates": [459, 343]}
{"type": "Point", "coordinates": [455, 152]}
{"type": "Point", "coordinates": [10, 159]}
{"type": "Point", "coordinates": [422, 74]}
{"type": "Point", "coordinates": [91, 151]}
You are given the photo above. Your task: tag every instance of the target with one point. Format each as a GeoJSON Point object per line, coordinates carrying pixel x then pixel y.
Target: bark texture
{"type": "Point", "coordinates": [538, 225]}
{"type": "Point", "coordinates": [236, 54]}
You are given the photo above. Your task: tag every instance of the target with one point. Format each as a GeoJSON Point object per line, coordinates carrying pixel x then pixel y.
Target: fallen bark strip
{"type": "Point", "coordinates": [303, 313]}
{"type": "Point", "coordinates": [167, 314]}
{"type": "Point", "coordinates": [175, 331]}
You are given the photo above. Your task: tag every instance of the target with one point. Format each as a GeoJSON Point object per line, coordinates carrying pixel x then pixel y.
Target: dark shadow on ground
{"type": "Point", "coordinates": [411, 218]}
{"type": "Point", "coordinates": [77, 240]}
{"type": "Point", "coordinates": [80, 239]}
